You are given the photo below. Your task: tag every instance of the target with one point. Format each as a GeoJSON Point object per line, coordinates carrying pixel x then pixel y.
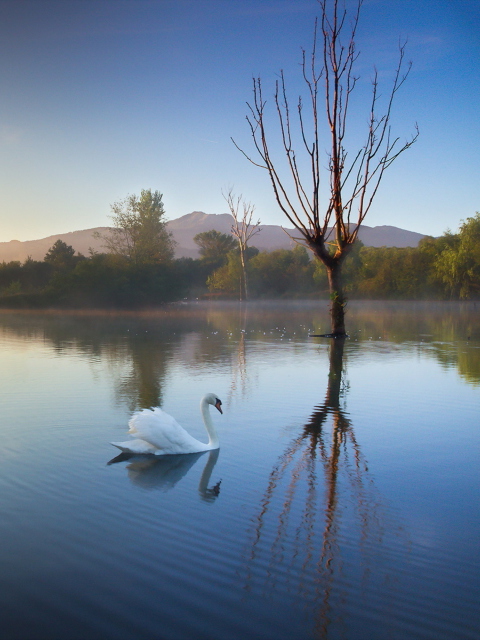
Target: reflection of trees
{"type": "Point", "coordinates": [298, 530]}
{"type": "Point", "coordinates": [239, 368]}
{"type": "Point", "coordinates": [164, 472]}
{"type": "Point", "coordinates": [223, 340]}
{"type": "Point", "coordinates": [465, 356]}
{"type": "Point", "coordinates": [141, 387]}
{"type": "Point", "coordinates": [239, 360]}
{"type": "Point", "coordinates": [137, 349]}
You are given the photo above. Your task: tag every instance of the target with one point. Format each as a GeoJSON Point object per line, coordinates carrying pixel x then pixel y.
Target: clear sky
{"type": "Point", "coordinates": [101, 98]}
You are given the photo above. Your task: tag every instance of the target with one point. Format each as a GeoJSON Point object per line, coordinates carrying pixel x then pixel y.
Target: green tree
{"type": "Point", "coordinates": [214, 247]}
{"type": "Point", "coordinates": [282, 272]}
{"type": "Point", "coordinates": [9, 272]}
{"type": "Point", "coordinates": [140, 234]}
{"type": "Point", "coordinates": [108, 280]}
{"type": "Point", "coordinates": [388, 272]}
{"type": "Point", "coordinates": [13, 288]}
{"type": "Point", "coordinates": [458, 265]}
{"type": "Point", "coordinates": [430, 248]}
{"type": "Point", "coordinates": [61, 256]}
{"type": "Point", "coordinates": [228, 279]}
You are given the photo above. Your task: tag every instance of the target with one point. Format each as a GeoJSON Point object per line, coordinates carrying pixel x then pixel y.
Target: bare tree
{"type": "Point", "coordinates": [329, 229]}
{"type": "Point", "coordinates": [243, 229]}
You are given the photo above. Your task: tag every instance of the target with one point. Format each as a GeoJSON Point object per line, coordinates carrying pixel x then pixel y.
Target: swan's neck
{"type": "Point", "coordinates": [209, 426]}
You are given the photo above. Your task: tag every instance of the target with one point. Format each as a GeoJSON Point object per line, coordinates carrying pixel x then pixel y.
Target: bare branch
{"type": "Point", "coordinates": [326, 229]}
{"type": "Point", "coordinates": [243, 229]}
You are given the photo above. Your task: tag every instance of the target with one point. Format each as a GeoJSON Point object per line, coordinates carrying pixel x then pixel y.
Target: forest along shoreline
{"type": "Point", "coordinates": [138, 269]}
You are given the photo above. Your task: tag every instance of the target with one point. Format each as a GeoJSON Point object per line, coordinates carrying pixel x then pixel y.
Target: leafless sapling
{"type": "Point", "coordinates": [243, 228]}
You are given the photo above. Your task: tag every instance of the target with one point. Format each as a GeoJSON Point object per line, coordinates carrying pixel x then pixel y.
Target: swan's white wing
{"type": "Point", "coordinates": [135, 446]}
{"type": "Point", "coordinates": [161, 430]}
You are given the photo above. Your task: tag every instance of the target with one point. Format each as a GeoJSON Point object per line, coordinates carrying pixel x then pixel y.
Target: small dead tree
{"type": "Point", "coordinates": [329, 229]}
{"type": "Point", "coordinates": [243, 229]}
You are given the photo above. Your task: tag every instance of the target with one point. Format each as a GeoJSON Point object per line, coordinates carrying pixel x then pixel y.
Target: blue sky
{"type": "Point", "coordinates": [101, 98]}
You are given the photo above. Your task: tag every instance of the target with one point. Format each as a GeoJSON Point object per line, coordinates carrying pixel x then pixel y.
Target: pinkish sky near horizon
{"type": "Point", "coordinates": [102, 98]}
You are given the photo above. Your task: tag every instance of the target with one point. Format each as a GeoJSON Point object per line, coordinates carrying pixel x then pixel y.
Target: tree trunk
{"type": "Point", "coordinates": [337, 298]}
{"type": "Point", "coordinates": [243, 277]}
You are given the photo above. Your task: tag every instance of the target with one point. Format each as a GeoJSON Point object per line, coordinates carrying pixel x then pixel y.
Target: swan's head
{"type": "Point", "coordinates": [211, 398]}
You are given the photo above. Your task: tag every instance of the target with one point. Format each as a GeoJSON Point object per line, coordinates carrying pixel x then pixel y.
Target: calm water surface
{"type": "Point", "coordinates": [342, 504]}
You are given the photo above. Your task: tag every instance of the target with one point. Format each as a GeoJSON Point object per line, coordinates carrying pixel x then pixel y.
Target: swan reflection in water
{"type": "Point", "coordinates": [164, 472]}
{"type": "Point", "coordinates": [308, 533]}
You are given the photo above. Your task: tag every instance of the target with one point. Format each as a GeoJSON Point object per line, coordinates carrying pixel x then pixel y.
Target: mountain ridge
{"type": "Point", "coordinates": [187, 226]}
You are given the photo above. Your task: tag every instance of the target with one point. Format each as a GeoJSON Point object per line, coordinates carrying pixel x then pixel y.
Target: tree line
{"type": "Point", "coordinates": [138, 268]}
{"type": "Point", "coordinates": [444, 268]}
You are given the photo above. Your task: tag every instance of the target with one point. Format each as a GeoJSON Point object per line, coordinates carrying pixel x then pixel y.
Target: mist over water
{"type": "Point", "coordinates": [343, 502]}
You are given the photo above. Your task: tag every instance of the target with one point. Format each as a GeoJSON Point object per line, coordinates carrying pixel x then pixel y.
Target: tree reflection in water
{"type": "Point", "coordinates": [239, 365]}
{"type": "Point", "coordinates": [141, 387]}
{"type": "Point", "coordinates": [300, 541]}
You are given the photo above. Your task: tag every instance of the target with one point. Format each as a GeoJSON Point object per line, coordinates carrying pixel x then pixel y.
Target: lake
{"type": "Point", "coordinates": [343, 502]}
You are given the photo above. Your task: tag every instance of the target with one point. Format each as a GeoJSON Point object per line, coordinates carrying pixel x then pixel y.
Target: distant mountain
{"type": "Point", "coordinates": [185, 228]}
{"type": "Point", "coordinates": [81, 241]}
{"type": "Point", "coordinates": [273, 236]}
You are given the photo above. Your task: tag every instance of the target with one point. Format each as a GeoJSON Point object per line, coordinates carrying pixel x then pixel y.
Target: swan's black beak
{"type": "Point", "coordinates": [218, 405]}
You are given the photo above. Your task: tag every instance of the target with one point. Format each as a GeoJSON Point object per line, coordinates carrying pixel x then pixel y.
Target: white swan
{"type": "Point", "coordinates": [157, 432]}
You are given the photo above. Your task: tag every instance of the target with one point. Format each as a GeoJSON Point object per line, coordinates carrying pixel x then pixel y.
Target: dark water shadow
{"type": "Point", "coordinates": [149, 472]}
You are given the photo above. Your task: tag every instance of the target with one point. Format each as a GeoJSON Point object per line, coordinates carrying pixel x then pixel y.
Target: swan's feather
{"type": "Point", "coordinates": [135, 446]}
{"type": "Point", "coordinates": [162, 432]}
